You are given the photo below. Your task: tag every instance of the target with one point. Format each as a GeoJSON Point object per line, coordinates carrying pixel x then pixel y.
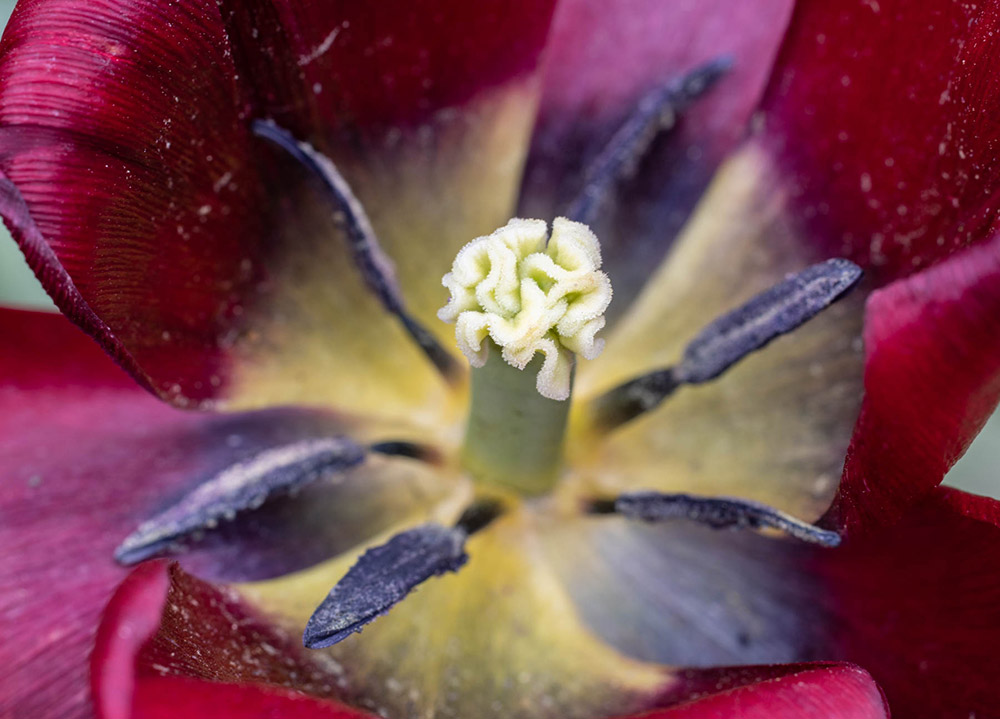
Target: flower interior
{"type": "Point", "coordinates": [485, 578]}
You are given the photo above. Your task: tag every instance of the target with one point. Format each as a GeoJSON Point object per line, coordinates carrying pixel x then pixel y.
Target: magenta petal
{"type": "Point", "coordinates": [883, 118]}
{"type": "Point", "coordinates": [137, 603]}
{"type": "Point", "coordinates": [168, 642]}
{"type": "Point", "coordinates": [71, 487]}
{"type": "Point", "coordinates": [602, 58]}
{"type": "Point", "coordinates": [172, 697]}
{"type": "Point", "coordinates": [830, 691]}
{"type": "Point", "coordinates": [918, 605]}
{"type": "Point", "coordinates": [86, 456]}
{"type": "Point", "coordinates": [932, 379]}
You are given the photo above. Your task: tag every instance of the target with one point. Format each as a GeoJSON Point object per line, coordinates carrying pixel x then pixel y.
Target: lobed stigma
{"type": "Point", "coordinates": [530, 293]}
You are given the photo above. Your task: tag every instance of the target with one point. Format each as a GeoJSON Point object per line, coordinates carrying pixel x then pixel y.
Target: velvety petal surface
{"type": "Point", "coordinates": [170, 644]}
{"type": "Point", "coordinates": [132, 199]}
{"type": "Point", "coordinates": [687, 595]}
{"type": "Point", "coordinates": [932, 379]}
{"type": "Point", "coordinates": [918, 605]}
{"type": "Point", "coordinates": [168, 697]}
{"type": "Point", "coordinates": [600, 61]}
{"type": "Point", "coordinates": [882, 119]}
{"type": "Point", "coordinates": [823, 692]}
{"type": "Point", "coordinates": [87, 456]}
{"type": "Point", "coordinates": [205, 262]}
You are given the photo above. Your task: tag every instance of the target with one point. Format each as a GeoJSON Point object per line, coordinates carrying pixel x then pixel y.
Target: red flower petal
{"type": "Point", "coordinates": [932, 379]}
{"type": "Point", "coordinates": [601, 60]}
{"type": "Point", "coordinates": [87, 456]}
{"type": "Point", "coordinates": [171, 697]}
{"type": "Point", "coordinates": [137, 606]}
{"type": "Point", "coordinates": [132, 199]}
{"type": "Point", "coordinates": [918, 605]}
{"type": "Point", "coordinates": [164, 633]}
{"type": "Point", "coordinates": [820, 692]}
{"type": "Point", "coordinates": [883, 117]}
{"type": "Point", "coordinates": [207, 266]}
{"type": "Point", "coordinates": [387, 65]}
{"type": "Point", "coordinates": [70, 491]}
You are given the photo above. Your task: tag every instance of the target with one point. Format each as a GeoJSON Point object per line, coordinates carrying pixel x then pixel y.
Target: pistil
{"type": "Point", "coordinates": [514, 436]}
{"type": "Point", "coordinates": [524, 305]}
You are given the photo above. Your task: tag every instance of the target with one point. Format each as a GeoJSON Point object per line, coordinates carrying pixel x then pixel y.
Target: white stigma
{"type": "Point", "coordinates": [530, 296]}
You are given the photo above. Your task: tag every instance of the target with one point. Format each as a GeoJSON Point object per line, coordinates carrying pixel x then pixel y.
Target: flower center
{"type": "Point", "coordinates": [537, 301]}
{"type": "Point", "coordinates": [530, 296]}
{"type": "Point", "coordinates": [524, 304]}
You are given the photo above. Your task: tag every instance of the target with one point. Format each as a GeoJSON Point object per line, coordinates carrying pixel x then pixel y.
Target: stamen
{"type": "Point", "coordinates": [375, 266]}
{"type": "Point", "coordinates": [716, 512]}
{"type": "Point", "coordinates": [381, 578]}
{"type": "Point", "coordinates": [655, 113]}
{"type": "Point", "coordinates": [732, 337]}
{"type": "Point", "coordinates": [243, 486]}
{"type": "Point", "coordinates": [384, 575]}
{"type": "Point", "coordinates": [530, 295]}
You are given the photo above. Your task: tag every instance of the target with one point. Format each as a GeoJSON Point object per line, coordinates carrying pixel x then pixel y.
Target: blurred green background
{"type": "Point", "coordinates": [978, 471]}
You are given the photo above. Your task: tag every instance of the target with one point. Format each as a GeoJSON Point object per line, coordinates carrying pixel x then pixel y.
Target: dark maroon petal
{"type": "Point", "coordinates": [87, 456]}
{"type": "Point", "coordinates": [379, 66]}
{"type": "Point", "coordinates": [883, 119]}
{"type": "Point", "coordinates": [918, 605]}
{"type": "Point", "coordinates": [132, 197]}
{"type": "Point", "coordinates": [601, 60]}
{"type": "Point", "coordinates": [208, 266]}
{"type": "Point", "coordinates": [830, 691]}
{"type": "Point", "coordinates": [165, 633]}
{"type": "Point", "coordinates": [932, 379]}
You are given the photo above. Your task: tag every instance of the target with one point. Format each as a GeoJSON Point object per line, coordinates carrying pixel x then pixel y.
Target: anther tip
{"type": "Point", "coordinates": [721, 64]}
{"type": "Point", "coordinates": [130, 553]}
{"type": "Point", "coordinates": [827, 538]}
{"type": "Point", "coordinates": [317, 637]}
{"type": "Point", "coordinates": [702, 78]}
{"type": "Point", "coordinates": [381, 578]}
{"type": "Point", "coordinates": [849, 271]}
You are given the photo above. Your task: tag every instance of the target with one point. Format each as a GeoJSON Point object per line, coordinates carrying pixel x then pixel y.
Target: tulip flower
{"type": "Point", "coordinates": [512, 359]}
